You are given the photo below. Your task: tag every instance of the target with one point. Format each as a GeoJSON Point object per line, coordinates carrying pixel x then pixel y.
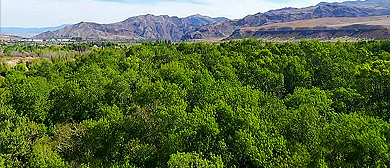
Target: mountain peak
{"type": "Point", "coordinates": [196, 15]}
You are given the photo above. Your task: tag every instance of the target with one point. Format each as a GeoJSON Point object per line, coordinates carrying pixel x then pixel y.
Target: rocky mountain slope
{"type": "Point", "coordinates": [321, 10]}
{"type": "Point", "coordinates": [375, 27]}
{"type": "Point", "coordinates": [139, 27]}
{"type": "Point", "coordinates": [356, 31]}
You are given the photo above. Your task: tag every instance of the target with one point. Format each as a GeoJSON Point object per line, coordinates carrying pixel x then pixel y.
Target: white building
{"type": "Point", "coordinates": [63, 40]}
{"type": "Point", "coordinates": [38, 40]}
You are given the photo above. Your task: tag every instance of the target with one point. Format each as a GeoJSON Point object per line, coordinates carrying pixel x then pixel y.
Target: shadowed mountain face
{"type": "Point", "coordinates": [140, 27]}
{"type": "Point", "coordinates": [148, 27]}
{"type": "Point", "coordinates": [322, 10]}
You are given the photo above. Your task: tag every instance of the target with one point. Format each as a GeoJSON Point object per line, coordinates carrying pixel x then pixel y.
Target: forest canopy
{"type": "Point", "coordinates": [236, 104]}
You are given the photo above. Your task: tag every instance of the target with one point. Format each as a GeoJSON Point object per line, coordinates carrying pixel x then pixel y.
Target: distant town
{"type": "Point", "coordinates": [16, 39]}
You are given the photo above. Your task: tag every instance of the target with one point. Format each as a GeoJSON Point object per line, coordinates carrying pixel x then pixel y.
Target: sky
{"type": "Point", "coordinates": [47, 13]}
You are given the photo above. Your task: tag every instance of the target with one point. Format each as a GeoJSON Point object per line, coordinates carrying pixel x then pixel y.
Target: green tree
{"type": "Point", "coordinates": [190, 160]}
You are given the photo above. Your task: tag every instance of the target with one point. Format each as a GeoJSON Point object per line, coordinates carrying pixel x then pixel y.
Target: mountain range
{"type": "Point", "coordinates": [321, 10]}
{"type": "Point", "coordinates": [148, 27]}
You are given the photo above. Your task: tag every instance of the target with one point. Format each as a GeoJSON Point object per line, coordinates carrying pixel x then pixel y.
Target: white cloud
{"type": "Point", "coordinates": [41, 13]}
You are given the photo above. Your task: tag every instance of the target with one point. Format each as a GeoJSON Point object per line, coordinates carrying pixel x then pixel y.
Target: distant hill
{"type": "Point", "coordinates": [27, 32]}
{"type": "Point", "coordinates": [9, 38]}
{"type": "Point", "coordinates": [321, 10]}
{"type": "Point", "coordinates": [138, 27]}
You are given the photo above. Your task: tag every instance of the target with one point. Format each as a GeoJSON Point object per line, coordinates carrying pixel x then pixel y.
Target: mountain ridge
{"type": "Point", "coordinates": [148, 27]}
{"type": "Point", "coordinates": [321, 10]}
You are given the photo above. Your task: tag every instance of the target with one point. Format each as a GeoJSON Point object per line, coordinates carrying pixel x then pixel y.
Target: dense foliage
{"type": "Point", "coordinates": [234, 104]}
{"type": "Point", "coordinates": [47, 50]}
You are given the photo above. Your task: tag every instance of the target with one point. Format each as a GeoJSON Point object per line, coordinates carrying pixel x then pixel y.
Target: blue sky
{"type": "Point", "coordinates": [45, 13]}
